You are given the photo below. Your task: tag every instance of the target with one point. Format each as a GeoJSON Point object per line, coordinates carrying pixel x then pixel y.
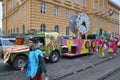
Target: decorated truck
{"type": "Point", "coordinates": [17, 54]}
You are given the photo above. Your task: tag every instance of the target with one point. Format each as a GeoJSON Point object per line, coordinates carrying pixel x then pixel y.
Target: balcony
{"type": "Point", "coordinates": [68, 3]}
{"type": "Point", "coordinates": [76, 6]}
{"type": "Point", "coordinates": [83, 9]}
{"type": "Point", "coordinates": [59, 1]}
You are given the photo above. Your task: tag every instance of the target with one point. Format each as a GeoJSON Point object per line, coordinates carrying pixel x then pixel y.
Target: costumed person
{"type": "Point", "coordinates": [96, 44]}
{"type": "Point", "coordinates": [79, 35]}
{"type": "Point", "coordinates": [35, 64]}
{"type": "Point", "coordinates": [100, 44]}
{"type": "Point", "coordinates": [110, 47]}
{"type": "Point", "coordinates": [115, 46]}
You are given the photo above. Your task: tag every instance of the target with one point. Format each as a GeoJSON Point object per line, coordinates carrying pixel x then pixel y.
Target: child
{"type": "Point", "coordinates": [35, 64]}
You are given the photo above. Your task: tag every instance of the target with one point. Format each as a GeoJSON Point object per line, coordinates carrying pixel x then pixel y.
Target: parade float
{"type": "Point", "coordinates": [79, 25]}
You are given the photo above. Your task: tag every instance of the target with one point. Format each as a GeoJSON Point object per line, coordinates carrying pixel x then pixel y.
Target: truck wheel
{"type": "Point", "coordinates": [10, 63]}
{"type": "Point", "coordinates": [19, 62]}
{"type": "Point", "coordinates": [54, 57]}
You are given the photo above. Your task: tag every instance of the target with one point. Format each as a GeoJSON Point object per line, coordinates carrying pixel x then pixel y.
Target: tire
{"type": "Point", "coordinates": [19, 62]}
{"type": "Point", "coordinates": [54, 57]}
{"type": "Point", "coordinates": [10, 63]}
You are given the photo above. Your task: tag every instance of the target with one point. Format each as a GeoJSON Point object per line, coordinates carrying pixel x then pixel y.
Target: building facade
{"type": "Point", "coordinates": [20, 16]}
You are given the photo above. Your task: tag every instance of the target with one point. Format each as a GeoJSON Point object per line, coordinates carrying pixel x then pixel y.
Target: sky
{"type": "Point", "coordinates": [115, 1]}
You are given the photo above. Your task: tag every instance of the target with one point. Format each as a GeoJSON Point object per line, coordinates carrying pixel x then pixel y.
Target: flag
{"type": "Point", "coordinates": [110, 12]}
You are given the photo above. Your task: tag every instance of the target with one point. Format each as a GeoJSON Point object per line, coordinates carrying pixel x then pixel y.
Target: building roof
{"type": "Point", "coordinates": [114, 4]}
{"type": "Point", "coordinates": [110, 1]}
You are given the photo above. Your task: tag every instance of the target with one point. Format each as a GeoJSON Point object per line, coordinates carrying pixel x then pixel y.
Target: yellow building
{"type": "Point", "coordinates": [20, 16]}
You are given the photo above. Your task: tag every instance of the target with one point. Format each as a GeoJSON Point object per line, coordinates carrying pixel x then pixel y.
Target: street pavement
{"type": "Point", "coordinates": [77, 68]}
{"type": "Point", "coordinates": [97, 71]}
{"type": "Point", "coordinates": [114, 77]}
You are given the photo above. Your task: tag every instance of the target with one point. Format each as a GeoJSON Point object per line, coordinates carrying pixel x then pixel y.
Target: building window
{"type": "Point", "coordinates": [42, 28]}
{"type": "Point", "coordinates": [100, 31]}
{"type": "Point", "coordinates": [95, 31]}
{"type": "Point", "coordinates": [8, 32]}
{"type": "Point", "coordinates": [95, 19]}
{"type": "Point", "coordinates": [68, 0]}
{"type": "Point", "coordinates": [8, 5]}
{"type": "Point", "coordinates": [115, 34]}
{"type": "Point", "coordinates": [67, 13]}
{"type": "Point", "coordinates": [56, 11]}
{"type": "Point", "coordinates": [56, 28]}
{"type": "Point", "coordinates": [101, 8]}
{"type": "Point", "coordinates": [14, 30]}
{"type": "Point", "coordinates": [76, 1]}
{"type": "Point", "coordinates": [24, 10]}
{"type": "Point", "coordinates": [83, 3]}
{"type": "Point", "coordinates": [23, 29]}
{"type": "Point", "coordinates": [11, 31]}
{"type": "Point", "coordinates": [17, 30]}
{"type": "Point", "coordinates": [105, 32]}
{"type": "Point", "coordinates": [76, 12]}
{"type": "Point", "coordinates": [67, 30]}
{"type": "Point", "coordinates": [95, 5]}
{"type": "Point", "coordinates": [112, 34]}
{"type": "Point", "coordinates": [101, 22]}
{"type": "Point", "coordinates": [43, 7]}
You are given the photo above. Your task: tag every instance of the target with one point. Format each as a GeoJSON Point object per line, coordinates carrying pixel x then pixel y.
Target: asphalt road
{"type": "Point", "coordinates": [96, 72]}
{"type": "Point", "coordinates": [68, 68]}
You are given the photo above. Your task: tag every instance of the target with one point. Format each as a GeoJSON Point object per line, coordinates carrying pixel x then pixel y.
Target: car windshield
{"type": "Point", "coordinates": [8, 42]}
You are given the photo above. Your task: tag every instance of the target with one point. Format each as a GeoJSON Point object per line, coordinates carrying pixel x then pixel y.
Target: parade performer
{"type": "Point", "coordinates": [100, 43]}
{"type": "Point", "coordinates": [110, 47]}
{"type": "Point", "coordinates": [115, 46]}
